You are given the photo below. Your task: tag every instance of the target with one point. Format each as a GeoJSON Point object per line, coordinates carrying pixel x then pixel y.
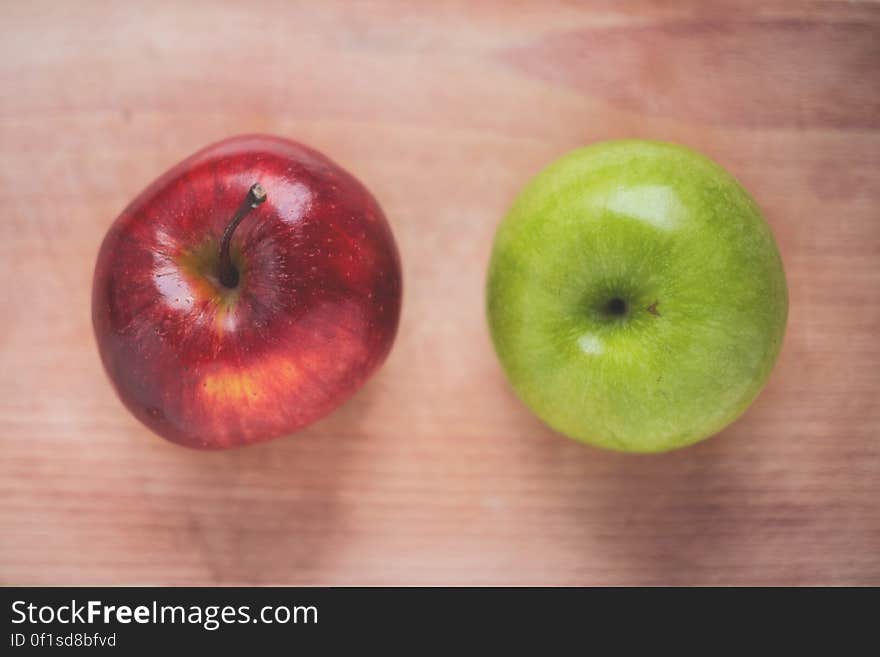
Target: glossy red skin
{"type": "Point", "coordinates": [318, 305]}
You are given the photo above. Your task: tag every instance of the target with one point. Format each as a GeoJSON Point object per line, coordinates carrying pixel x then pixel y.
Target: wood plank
{"type": "Point", "coordinates": [434, 473]}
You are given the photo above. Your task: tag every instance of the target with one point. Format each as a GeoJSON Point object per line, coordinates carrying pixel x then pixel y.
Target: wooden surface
{"type": "Point", "coordinates": [434, 473]}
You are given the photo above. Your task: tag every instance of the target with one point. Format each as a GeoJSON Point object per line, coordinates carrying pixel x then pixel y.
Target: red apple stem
{"type": "Point", "coordinates": [226, 271]}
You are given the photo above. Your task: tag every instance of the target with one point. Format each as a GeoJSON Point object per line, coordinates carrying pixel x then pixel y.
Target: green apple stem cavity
{"type": "Point", "coordinates": [226, 270]}
{"type": "Point", "coordinates": [619, 308]}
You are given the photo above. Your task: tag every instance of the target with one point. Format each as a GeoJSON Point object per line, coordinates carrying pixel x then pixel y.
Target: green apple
{"type": "Point", "coordinates": [636, 297]}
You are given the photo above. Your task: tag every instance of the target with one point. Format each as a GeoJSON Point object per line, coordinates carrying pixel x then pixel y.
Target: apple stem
{"type": "Point", "coordinates": [226, 271]}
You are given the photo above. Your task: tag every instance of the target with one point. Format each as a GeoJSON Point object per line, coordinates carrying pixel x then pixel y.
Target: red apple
{"type": "Point", "coordinates": [246, 293]}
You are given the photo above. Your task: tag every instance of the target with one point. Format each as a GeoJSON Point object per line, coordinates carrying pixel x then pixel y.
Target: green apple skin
{"type": "Point", "coordinates": [636, 297]}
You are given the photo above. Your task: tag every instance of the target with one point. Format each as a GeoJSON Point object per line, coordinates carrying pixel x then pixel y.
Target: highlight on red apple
{"type": "Point", "coordinates": [636, 297]}
{"type": "Point", "coordinates": [246, 293]}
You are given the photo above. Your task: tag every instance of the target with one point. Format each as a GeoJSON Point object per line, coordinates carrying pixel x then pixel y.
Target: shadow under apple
{"type": "Point", "coordinates": [672, 518]}
{"type": "Point", "coordinates": [263, 514]}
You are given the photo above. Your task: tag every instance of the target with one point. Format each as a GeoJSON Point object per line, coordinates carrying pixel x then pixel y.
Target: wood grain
{"type": "Point", "coordinates": [434, 473]}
